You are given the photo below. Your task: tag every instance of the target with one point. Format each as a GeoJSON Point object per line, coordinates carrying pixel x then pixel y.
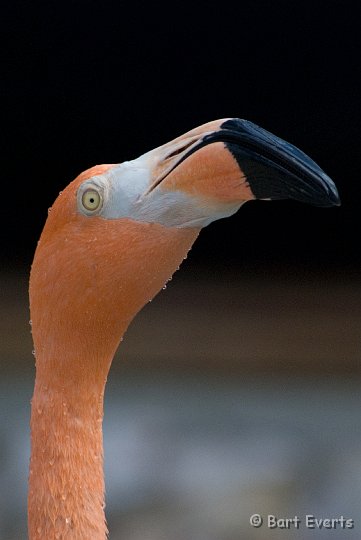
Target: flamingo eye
{"type": "Point", "coordinates": [91, 200]}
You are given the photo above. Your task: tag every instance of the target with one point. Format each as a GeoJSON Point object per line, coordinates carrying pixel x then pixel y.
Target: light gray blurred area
{"type": "Point", "coordinates": [229, 396]}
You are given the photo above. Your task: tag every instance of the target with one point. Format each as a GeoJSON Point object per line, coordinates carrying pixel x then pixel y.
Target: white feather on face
{"type": "Point", "coordinates": [124, 190]}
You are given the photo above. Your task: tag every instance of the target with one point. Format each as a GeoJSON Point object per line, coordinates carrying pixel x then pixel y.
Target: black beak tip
{"type": "Point", "coordinates": [322, 190]}
{"type": "Point", "coordinates": [276, 169]}
{"type": "Point", "coordinates": [333, 198]}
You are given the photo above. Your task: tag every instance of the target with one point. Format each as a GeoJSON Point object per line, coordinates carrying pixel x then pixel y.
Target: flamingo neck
{"type": "Point", "coordinates": [88, 280]}
{"type": "Point", "coordinates": [66, 483]}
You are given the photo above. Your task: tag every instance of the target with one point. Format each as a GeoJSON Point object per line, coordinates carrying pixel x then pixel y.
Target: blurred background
{"type": "Point", "coordinates": [236, 391]}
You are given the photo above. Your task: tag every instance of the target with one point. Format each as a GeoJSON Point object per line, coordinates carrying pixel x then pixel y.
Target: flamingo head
{"type": "Point", "coordinates": [118, 232]}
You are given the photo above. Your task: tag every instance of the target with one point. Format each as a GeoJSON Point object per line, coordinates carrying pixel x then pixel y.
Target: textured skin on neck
{"type": "Point", "coordinates": [66, 483]}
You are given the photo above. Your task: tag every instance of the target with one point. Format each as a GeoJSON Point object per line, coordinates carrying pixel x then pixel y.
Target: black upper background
{"type": "Point", "coordinates": [88, 82]}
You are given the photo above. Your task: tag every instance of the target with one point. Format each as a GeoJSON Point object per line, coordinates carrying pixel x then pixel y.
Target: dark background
{"type": "Point", "coordinates": [237, 389]}
{"type": "Point", "coordinates": [99, 82]}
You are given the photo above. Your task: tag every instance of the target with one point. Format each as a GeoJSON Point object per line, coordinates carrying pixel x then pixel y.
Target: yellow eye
{"type": "Point", "coordinates": [91, 200]}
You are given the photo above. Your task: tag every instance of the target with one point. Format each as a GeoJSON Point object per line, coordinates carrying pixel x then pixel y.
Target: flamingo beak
{"type": "Point", "coordinates": [270, 168]}
{"type": "Point", "coordinates": [208, 173]}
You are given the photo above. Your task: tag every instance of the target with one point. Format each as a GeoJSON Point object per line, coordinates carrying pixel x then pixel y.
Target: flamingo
{"type": "Point", "coordinates": [111, 241]}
